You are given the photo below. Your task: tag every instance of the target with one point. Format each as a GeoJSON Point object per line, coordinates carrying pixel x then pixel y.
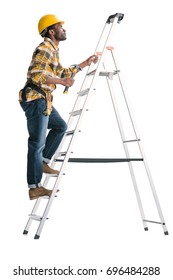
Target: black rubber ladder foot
{"type": "Point", "coordinates": [166, 233]}
{"type": "Point", "coordinates": [36, 236]}
{"type": "Point", "coordinates": [25, 231]}
{"type": "Point", "coordinates": [146, 228]}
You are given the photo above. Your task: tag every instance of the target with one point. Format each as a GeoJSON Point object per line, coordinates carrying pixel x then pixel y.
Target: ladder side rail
{"type": "Point", "coordinates": [75, 107]}
{"type": "Point", "coordinates": [105, 30]}
{"type": "Point", "coordinates": [97, 47]}
{"type": "Point", "coordinates": [47, 208]}
{"type": "Point", "coordinates": [30, 220]}
{"type": "Point", "coordinates": [84, 82]}
{"type": "Point", "coordinates": [91, 65]}
{"type": "Point", "coordinates": [78, 98]}
{"type": "Point", "coordinates": [66, 158]}
{"type": "Point", "coordinates": [69, 123]}
{"type": "Point", "coordinates": [82, 87]}
{"type": "Point", "coordinates": [93, 82]}
{"type": "Point", "coordinates": [49, 203]}
{"type": "Point", "coordinates": [126, 99]}
{"type": "Point", "coordinates": [99, 65]}
{"type": "Point", "coordinates": [54, 191]}
{"type": "Point", "coordinates": [153, 189]}
{"type": "Point", "coordinates": [127, 152]}
{"type": "Point", "coordinates": [52, 164]}
{"type": "Point", "coordinates": [148, 172]}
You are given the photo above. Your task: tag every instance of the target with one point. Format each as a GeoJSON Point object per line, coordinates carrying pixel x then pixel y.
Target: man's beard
{"type": "Point", "coordinates": [58, 38]}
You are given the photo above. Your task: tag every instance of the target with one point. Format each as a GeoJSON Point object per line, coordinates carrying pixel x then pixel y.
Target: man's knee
{"type": "Point", "coordinates": [62, 128]}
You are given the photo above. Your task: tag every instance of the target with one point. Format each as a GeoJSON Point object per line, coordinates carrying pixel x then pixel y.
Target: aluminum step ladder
{"type": "Point", "coordinates": [75, 120]}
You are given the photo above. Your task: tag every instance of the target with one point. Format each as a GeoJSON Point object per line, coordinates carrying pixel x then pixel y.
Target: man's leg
{"type": "Point", "coordinates": [37, 127]}
{"type": "Point", "coordinates": [57, 128]}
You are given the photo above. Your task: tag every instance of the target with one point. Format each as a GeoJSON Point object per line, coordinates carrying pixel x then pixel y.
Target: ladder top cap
{"type": "Point", "coordinates": [112, 17]}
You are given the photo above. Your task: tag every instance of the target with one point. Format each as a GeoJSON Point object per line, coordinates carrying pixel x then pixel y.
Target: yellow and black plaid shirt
{"type": "Point", "coordinates": [45, 62]}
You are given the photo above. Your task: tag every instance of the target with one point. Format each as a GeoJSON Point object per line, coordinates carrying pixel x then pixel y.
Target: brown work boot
{"type": "Point", "coordinates": [49, 170]}
{"type": "Point", "coordinates": [35, 193]}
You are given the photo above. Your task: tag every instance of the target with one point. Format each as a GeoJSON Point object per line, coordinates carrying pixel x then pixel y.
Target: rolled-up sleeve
{"type": "Point", "coordinates": [66, 72]}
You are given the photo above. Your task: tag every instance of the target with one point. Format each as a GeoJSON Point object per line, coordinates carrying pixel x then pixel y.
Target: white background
{"type": "Point", "coordinates": [95, 221]}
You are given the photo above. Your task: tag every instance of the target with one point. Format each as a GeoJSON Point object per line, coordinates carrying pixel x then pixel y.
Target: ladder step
{"type": "Point", "coordinates": [76, 113]}
{"type": "Point", "coordinates": [104, 73]}
{"type": "Point", "coordinates": [83, 92]}
{"type": "Point", "coordinates": [35, 217]}
{"type": "Point", "coordinates": [61, 154]}
{"type": "Point", "coordinates": [71, 132]}
{"type": "Point", "coordinates": [135, 140]}
{"type": "Point", "coordinates": [51, 175]}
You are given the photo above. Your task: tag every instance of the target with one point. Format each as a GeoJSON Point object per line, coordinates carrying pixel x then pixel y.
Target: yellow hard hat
{"type": "Point", "coordinates": [47, 21]}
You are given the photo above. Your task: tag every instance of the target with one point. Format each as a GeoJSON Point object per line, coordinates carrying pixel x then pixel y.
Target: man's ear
{"type": "Point", "coordinates": [51, 32]}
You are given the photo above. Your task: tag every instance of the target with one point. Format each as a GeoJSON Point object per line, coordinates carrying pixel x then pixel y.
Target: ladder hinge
{"type": "Point", "coordinates": [111, 18]}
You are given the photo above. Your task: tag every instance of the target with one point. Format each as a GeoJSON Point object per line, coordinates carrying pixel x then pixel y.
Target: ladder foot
{"type": "Point", "coordinates": [146, 228]}
{"type": "Point", "coordinates": [25, 232]}
{"type": "Point", "coordinates": [36, 236]}
{"type": "Point", "coordinates": [166, 233]}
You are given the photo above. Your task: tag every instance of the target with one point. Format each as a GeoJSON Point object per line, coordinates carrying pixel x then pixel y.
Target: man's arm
{"type": "Point", "coordinates": [61, 81]}
{"type": "Point", "coordinates": [69, 81]}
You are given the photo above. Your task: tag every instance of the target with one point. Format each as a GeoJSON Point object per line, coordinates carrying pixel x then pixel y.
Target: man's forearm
{"type": "Point", "coordinates": [83, 64]}
{"type": "Point", "coordinates": [53, 80]}
{"type": "Point", "coordinates": [61, 81]}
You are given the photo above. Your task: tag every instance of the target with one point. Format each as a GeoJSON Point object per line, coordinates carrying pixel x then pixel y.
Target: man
{"type": "Point", "coordinates": [44, 73]}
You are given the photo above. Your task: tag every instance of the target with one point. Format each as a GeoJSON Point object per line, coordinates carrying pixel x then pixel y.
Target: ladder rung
{"type": "Point", "coordinates": [83, 92]}
{"type": "Point", "coordinates": [46, 196]}
{"type": "Point", "coordinates": [35, 217]}
{"type": "Point", "coordinates": [61, 154]}
{"type": "Point", "coordinates": [135, 140]}
{"type": "Point", "coordinates": [104, 73]}
{"type": "Point", "coordinates": [69, 132]}
{"type": "Point", "coordinates": [51, 175]}
{"type": "Point", "coordinates": [76, 113]}
{"type": "Point", "coordinates": [104, 160]}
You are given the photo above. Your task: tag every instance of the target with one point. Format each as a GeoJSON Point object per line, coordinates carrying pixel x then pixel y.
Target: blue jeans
{"type": "Point", "coordinates": [41, 147]}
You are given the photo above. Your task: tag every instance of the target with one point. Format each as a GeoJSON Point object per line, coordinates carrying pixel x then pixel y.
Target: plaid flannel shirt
{"type": "Point", "coordinates": [45, 62]}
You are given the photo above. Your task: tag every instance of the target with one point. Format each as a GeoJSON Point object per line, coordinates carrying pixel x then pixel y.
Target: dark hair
{"type": "Point", "coordinates": [45, 32]}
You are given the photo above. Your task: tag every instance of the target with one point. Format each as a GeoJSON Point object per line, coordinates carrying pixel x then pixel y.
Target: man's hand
{"type": "Point", "coordinates": [92, 58]}
{"type": "Point", "coordinates": [67, 82]}
{"type": "Point", "coordinates": [89, 60]}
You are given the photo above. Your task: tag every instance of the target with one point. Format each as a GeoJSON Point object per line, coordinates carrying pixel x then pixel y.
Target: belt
{"type": "Point", "coordinates": [33, 86]}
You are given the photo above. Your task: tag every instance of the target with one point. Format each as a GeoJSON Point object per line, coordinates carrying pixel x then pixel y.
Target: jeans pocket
{"type": "Point", "coordinates": [33, 108]}
{"type": "Point", "coordinates": [41, 105]}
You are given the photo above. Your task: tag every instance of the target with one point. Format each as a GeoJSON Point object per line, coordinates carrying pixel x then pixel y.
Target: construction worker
{"type": "Point", "coordinates": [44, 73]}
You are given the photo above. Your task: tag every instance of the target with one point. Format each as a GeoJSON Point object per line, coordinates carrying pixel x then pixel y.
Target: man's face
{"type": "Point", "coordinates": [60, 33]}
